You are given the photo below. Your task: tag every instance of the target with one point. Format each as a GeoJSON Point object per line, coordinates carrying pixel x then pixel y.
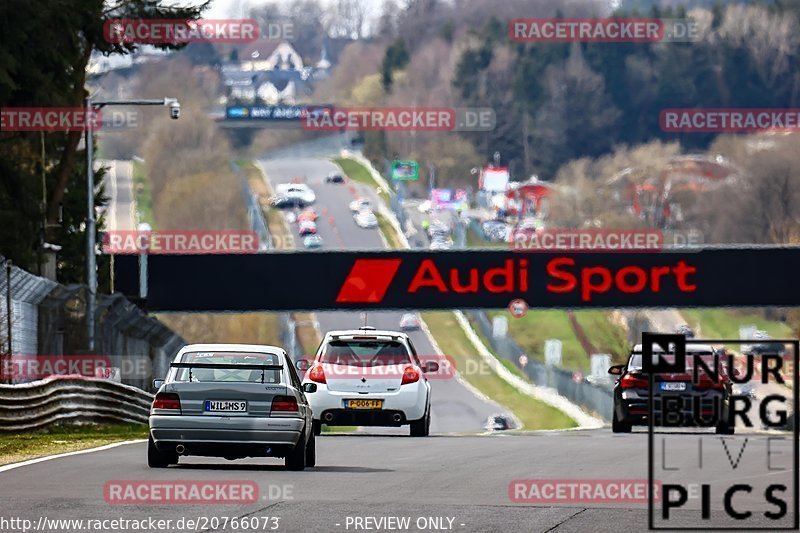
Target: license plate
{"type": "Point", "coordinates": [363, 404]}
{"type": "Point", "coordinates": [226, 406]}
{"type": "Point", "coordinates": [673, 386]}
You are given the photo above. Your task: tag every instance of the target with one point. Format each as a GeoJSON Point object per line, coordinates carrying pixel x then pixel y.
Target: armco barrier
{"type": "Point", "coordinates": [595, 398]}
{"type": "Point", "coordinates": [70, 399]}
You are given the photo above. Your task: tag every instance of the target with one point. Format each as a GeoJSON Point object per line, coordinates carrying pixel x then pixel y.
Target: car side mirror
{"type": "Point", "coordinates": [431, 366]}
{"type": "Point", "coordinates": [616, 370]}
{"type": "Point", "coordinates": [309, 387]}
{"type": "Point", "coordinates": [157, 383]}
{"type": "Point", "coordinates": [303, 364]}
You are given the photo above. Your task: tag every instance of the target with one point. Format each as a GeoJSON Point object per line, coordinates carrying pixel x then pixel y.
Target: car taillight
{"type": "Point", "coordinates": [284, 403]}
{"type": "Point", "coordinates": [317, 374]}
{"type": "Point", "coordinates": [167, 400]}
{"type": "Point", "coordinates": [629, 381]}
{"type": "Point", "coordinates": [410, 375]}
{"type": "Point", "coordinates": [708, 383]}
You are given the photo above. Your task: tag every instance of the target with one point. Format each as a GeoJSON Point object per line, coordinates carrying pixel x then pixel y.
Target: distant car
{"type": "Point", "coordinates": [496, 230]}
{"type": "Point", "coordinates": [498, 423]}
{"type": "Point", "coordinates": [366, 377]}
{"type": "Point", "coordinates": [409, 322]}
{"type": "Point", "coordinates": [437, 227]}
{"type": "Point", "coordinates": [312, 241]}
{"type": "Point", "coordinates": [631, 397]}
{"type": "Point", "coordinates": [334, 178]}
{"type": "Point", "coordinates": [308, 214]}
{"type": "Point", "coordinates": [366, 219]}
{"type": "Point", "coordinates": [299, 193]}
{"type": "Point", "coordinates": [232, 401]}
{"type": "Point", "coordinates": [360, 204]}
{"type": "Point", "coordinates": [282, 202]}
{"type": "Point", "coordinates": [307, 227]}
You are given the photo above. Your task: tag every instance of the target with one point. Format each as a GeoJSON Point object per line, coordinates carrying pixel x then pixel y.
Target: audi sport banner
{"type": "Point", "coordinates": [466, 279]}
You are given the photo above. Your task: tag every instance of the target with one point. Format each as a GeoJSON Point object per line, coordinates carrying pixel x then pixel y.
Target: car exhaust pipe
{"type": "Point", "coordinates": [397, 417]}
{"type": "Point", "coordinates": [179, 449]}
{"type": "Point", "coordinates": [328, 417]}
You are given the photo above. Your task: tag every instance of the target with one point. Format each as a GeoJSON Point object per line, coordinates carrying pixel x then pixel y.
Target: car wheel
{"type": "Point", "coordinates": [311, 451]}
{"type": "Point", "coordinates": [157, 459]}
{"type": "Point", "coordinates": [296, 458]}
{"type": "Point", "coordinates": [619, 426]}
{"type": "Point", "coordinates": [317, 426]}
{"type": "Point", "coordinates": [422, 427]}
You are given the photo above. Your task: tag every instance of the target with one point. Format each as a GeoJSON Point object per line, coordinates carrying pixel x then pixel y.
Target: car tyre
{"type": "Point", "coordinates": [157, 459]}
{"type": "Point", "coordinates": [296, 458]}
{"type": "Point", "coordinates": [619, 426]}
{"type": "Point", "coordinates": [311, 452]}
{"type": "Point", "coordinates": [422, 427]}
{"type": "Point", "coordinates": [317, 426]}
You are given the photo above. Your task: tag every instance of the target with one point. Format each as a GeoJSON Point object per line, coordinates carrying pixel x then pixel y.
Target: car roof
{"type": "Point", "coordinates": [257, 348]}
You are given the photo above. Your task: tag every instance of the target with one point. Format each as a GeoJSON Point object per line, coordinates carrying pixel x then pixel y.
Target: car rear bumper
{"type": "Point", "coordinates": [702, 409]}
{"type": "Point", "coordinates": [258, 431]}
{"type": "Point", "coordinates": [410, 403]}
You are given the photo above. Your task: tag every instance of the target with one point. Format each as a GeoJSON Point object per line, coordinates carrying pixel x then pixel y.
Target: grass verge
{"type": "Point", "coordinates": [532, 330]}
{"type": "Point", "coordinates": [142, 190]}
{"type": "Point", "coordinates": [16, 447]}
{"type": "Point", "coordinates": [724, 323]}
{"type": "Point", "coordinates": [358, 172]}
{"type": "Point", "coordinates": [533, 413]}
{"type": "Point", "coordinates": [388, 231]}
{"type": "Point", "coordinates": [240, 328]}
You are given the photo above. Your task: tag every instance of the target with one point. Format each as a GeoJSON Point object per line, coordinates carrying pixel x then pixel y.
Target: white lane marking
{"type": "Point", "coordinates": [12, 466]}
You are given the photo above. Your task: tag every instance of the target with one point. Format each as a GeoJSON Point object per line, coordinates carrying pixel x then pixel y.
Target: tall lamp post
{"type": "Point", "coordinates": [91, 263]}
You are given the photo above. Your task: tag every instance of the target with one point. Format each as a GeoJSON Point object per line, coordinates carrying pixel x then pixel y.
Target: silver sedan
{"type": "Point", "coordinates": [231, 401]}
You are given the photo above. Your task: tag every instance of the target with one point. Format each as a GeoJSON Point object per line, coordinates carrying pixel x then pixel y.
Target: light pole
{"type": "Point", "coordinates": [91, 262]}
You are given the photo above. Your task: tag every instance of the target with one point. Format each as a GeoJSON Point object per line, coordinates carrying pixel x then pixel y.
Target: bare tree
{"type": "Point", "coordinates": [349, 19]}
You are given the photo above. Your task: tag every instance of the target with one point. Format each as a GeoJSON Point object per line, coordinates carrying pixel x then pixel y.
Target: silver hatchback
{"type": "Point", "coordinates": [231, 401]}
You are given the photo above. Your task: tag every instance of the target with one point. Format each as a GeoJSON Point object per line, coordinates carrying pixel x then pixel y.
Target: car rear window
{"type": "Point", "coordinates": [365, 353]}
{"type": "Point", "coordinates": [233, 374]}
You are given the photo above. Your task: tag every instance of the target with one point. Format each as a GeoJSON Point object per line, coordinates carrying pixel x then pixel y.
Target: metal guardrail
{"type": "Point", "coordinates": [593, 397]}
{"type": "Point", "coordinates": [255, 214]}
{"type": "Point", "coordinates": [71, 399]}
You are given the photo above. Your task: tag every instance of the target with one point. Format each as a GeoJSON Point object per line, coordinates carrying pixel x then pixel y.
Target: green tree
{"type": "Point", "coordinates": [45, 47]}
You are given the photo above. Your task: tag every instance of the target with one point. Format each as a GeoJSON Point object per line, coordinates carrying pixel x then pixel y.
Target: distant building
{"type": "Point", "coordinates": [271, 72]}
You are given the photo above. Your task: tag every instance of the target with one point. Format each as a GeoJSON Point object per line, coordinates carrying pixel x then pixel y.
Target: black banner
{"type": "Point", "coordinates": [466, 279]}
